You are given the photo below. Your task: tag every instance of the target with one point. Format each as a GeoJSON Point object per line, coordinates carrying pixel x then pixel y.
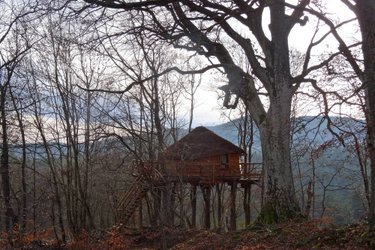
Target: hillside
{"type": "Point", "coordinates": [292, 235]}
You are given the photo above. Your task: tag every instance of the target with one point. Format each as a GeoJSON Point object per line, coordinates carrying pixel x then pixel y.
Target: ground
{"type": "Point", "coordinates": [291, 235]}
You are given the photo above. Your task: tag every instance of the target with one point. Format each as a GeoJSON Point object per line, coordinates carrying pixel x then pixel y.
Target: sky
{"type": "Point", "coordinates": [208, 109]}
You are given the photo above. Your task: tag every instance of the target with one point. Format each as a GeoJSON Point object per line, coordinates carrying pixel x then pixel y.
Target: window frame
{"type": "Point", "coordinates": [224, 161]}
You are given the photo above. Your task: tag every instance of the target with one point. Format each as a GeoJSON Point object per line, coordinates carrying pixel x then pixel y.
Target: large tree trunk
{"type": "Point", "coordinates": [279, 196]}
{"type": "Point", "coordinates": [274, 124]}
{"type": "Point", "coordinates": [366, 20]}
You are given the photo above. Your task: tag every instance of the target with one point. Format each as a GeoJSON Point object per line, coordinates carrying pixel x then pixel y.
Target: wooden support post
{"type": "Point", "coordinates": [246, 204]}
{"type": "Point", "coordinates": [219, 190]}
{"type": "Point", "coordinates": [206, 190]}
{"type": "Point", "coordinates": [140, 214]}
{"type": "Point", "coordinates": [133, 220]}
{"type": "Point", "coordinates": [172, 205]}
{"type": "Point", "coordinates": [193, 201]}
{"type": "Point", "coordinates": [233, 193]}
{"type": "Point", "coordinates": [181, 205]}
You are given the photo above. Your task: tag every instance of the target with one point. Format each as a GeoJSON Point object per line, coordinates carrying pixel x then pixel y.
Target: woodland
{"type": "Point", "coordinates": [89, 89]}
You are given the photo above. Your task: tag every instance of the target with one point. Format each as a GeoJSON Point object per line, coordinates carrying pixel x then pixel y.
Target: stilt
{"type": "Point", "coordinates": [193, 201]}
{"type": "Point", "coordinates": [206, 190]}
{"type": "Point", "coordinates": [219, 190]}
{"type": "Point", "coordinates": [172, 205]}
{"type": "Point", "coordinates": [181, 205]}
{"type": "Point", "coordinates": [233, 193]}
{"type": "Point", "coordinates": [140, 214]}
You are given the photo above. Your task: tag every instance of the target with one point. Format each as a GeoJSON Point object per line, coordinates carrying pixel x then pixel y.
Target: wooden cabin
{"type": "Point", "coordinates": [204, 157]}
{"type": "Point", "coordinates": [201, 159]}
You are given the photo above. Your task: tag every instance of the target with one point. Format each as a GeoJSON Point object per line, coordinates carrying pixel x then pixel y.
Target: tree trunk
{"type": "Point", "coordinates": [279, 196]}
{"type": "Point", "coordinates": [156, 195]}
{"type": "Point", "coordinates": [366, 20]}
{"type": "Point", "coordinates": [275, 124]}
{"type": "Point", "coordinates": [20, 118]}
{"type": "Point", "coordinates": [233, 216]}
{"type": "Point", "coordinates": [246, 204]}
{"type": "Point", "coordinates": [9, 213]}
{"type": "Point", "coordinates": [309, 199]}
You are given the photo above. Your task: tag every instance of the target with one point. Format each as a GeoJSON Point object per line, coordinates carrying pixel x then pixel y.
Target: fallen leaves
{"type": "Point", "coordinates": [313, 234]}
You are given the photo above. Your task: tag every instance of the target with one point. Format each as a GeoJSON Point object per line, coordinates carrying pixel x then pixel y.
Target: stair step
{"type": "Point", "coordinates": [131, 200]}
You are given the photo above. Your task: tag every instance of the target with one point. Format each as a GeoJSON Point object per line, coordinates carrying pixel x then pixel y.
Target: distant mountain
{"type": "Point", "coordinates": [307, 128]}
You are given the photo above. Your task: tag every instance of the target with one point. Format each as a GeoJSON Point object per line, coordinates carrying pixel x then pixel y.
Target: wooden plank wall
{"type": "Point", "coordinates": [208, 169]}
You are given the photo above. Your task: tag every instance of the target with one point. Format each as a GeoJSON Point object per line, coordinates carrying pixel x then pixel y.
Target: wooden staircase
{"type": "Point", "coordinates": [129, 201]}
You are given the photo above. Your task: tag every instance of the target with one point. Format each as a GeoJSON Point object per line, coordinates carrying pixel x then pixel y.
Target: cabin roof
{"type": "Point", "coordinates": [200, 143]}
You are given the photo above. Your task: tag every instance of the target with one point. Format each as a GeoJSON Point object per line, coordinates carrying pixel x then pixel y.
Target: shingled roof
{"type": "Point", "coordinates": [200, 143]}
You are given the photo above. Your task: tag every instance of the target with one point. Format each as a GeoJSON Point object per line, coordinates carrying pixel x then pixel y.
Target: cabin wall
{"type": "Point", "coordinates": [209, 169]}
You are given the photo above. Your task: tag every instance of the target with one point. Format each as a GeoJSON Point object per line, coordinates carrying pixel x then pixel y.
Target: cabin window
{"type": "Point", "coordinates": [224, 161]}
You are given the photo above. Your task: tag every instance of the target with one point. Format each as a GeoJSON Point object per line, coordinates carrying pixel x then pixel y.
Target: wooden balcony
{"type": "Point", "coordinates": [203, 173]}
{"type": "Point", "coordinates": [211, 174]}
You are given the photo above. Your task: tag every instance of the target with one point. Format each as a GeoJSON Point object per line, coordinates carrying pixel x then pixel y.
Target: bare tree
{"type": "Point", "coordinates": [363, 10]}
{"type": "Point", "coordinates": [14, 44]}
{"type": "Point", "coordinates": [197, 26]}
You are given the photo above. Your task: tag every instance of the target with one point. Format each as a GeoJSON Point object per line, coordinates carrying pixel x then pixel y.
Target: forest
{"type": "Point", "coordinates": [94, 94]}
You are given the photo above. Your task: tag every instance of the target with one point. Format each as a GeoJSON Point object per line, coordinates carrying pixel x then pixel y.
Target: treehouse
{"type": "Point", "coordinates": [204, 158]}
{"type": "Point", "coordinates": [201, 159]}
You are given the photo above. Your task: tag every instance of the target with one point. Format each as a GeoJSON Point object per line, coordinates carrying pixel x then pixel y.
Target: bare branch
{"type": "Point", "coordinates": [115, 4]}
{"type": "Point", "coordinates": [131, 85]}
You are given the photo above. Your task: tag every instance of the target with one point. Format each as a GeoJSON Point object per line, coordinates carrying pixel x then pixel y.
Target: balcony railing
{"type": "Point", "coordinates": [204, 172]}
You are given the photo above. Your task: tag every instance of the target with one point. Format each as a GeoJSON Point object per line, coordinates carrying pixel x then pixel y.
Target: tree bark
{"type": "Point", "coordinates": [366, 18]}
{"type": "Point", "coordinates": [20, 118]}
{"type": "Point", "coordinates": [9, 213]}
{"type": "Point", "coordinates": [246, 204]}
{"type": "Point", "coordinates": [274, 124]}
{"type": "Point", "coordinates": [156, 195]}
{"type": "Point", "coordinates": [233, 216]}
{"type": "Point", "coordinates": [279, 196]}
